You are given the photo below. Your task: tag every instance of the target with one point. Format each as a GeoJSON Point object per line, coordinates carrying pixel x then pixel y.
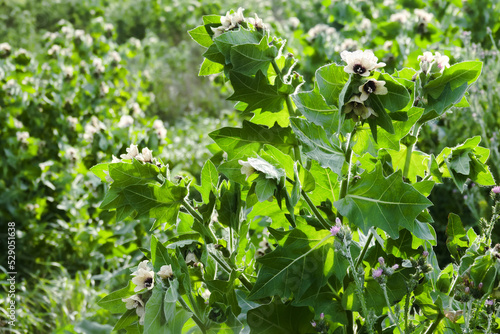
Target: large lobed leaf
{"type": "Point", "coordinates": [386, 203]}
{"type": "Point", "coordinates": [302, 262]}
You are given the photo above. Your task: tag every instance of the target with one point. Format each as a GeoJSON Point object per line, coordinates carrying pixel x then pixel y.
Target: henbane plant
{"type": "Point", "coordinates": [315, 217]}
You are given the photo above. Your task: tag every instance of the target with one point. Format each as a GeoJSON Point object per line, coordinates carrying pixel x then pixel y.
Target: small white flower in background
{"type": "Point", "coordinates": [401, 17]}
{"type": "Point", "coordinates": [54, 50]}
{"type": "Point", "coordinates": [294, 22]}
{"type": "Point", "coordinates": [159, 128]}
{"type": "Point", "coordinates": [22, 137]}
{"type": "Point", "coordinates": [5, 47]}
{"type": "Point", "coordinates": [347, 44]}
{"type": "Point", "coordinates": [73, 121]}
{"type": "Point", "coordinates": [423, 16]}
{"type": "Point", "coordinates": [246, 168]}
{"type": "Point", "coordinates": [360, 110]}
{"type": "Point", "coordinates": [115, 57]}
{"type": "Point", "coordinates": [387, 45]}
{"type": "Point", "coordinates": [136, 110]}
{"type": "Point", "coordinates": [257, 22]}
{"type": "Point", "coordinates": [365, 24]}
{"type": "Point", "coordinates": [206, 294]}
{"type": "Point", "coordinates": [360, 62]}
{"type": "Point", "coordinates": [125, 121]}
{"type": "Point", "coordinates": [72, 153]}
{"type": "Point", "coordinates": [98, 66]}
{"type": "Point", "coordinates": [166, 271]}
{"type": "Point", "coordinates": [132, 152]}
{"type": "Point", "coordinates": [17, 123]}
{"type": "Point", "coordinates": [103, 89]}
{"type": "Point", "coordinates": [372, 86]}
{"type": "Point", "coordinates": [158, 124]}
{"type": "Point", "coordinates": [136, 302]}
{"type": "Point", "coordinates": [108, 27]}
{"type": "Point", "coordinates": [144, 277]}
{"type": "Point", "coordinates": [115, 159]}
{"type": "Point", "coordinates": [67, 72]}
{"type": "Point", "coordinates": [319, 29]}
{"type": "Point", "coordinates": [79, 33]}
{"type": "Point", "coordinates": [191, 258]}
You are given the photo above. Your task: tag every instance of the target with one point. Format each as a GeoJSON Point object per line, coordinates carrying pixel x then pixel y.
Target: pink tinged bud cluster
{"type": "Point", "coordinates": [334, 230]}
{"type": "Point", "coordinates": [496, 190]}
{"type": "Point", "coordinates": [376, 273]}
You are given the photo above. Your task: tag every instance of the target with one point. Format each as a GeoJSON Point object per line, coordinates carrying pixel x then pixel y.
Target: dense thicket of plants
{"type": "Point", "coordinates": [112, 74]}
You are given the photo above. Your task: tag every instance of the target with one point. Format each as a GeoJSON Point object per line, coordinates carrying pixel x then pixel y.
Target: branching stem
{"type": "Point", "coordinates": [315, 210]}
{"type": "Point", "coordinates": [194, 316]}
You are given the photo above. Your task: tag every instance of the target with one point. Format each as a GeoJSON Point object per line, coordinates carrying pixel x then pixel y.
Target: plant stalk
{"type": "Point", "coordinates": [409, 150]}
{"type": "Point", "coordinates": [365, 248]}
{"type": "Point", "coordinates": [344, 184]}
{"type": "Point", "coordinates": [209, 233]}
{"type": "Point", "coordinates": [194, 316]}
{"type": "Point", "coordinates": [434, 325]}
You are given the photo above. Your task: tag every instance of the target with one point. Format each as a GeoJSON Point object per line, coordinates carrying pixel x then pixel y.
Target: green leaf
{"type": "Point", "coordinates": [464, 73]}
{"type": "Point", "coordinates": [456, 236]}
{"type": "Point", "coordinates": [397, 96]}
{"type": "Point", "coordinates": [402, 246]}
{"type": "Point", "coordinates": [100, 171]}
{"type": "Point", "coordinates": [318, 146]}
{"type": "Point", "coordinates": [155, 321]}
{"type": "Point", "coordinates": [327, 184]}
{"type": "Point", "coordinates": [251, 58]}
{"type": "Point", "coordinates": [201, 36]}
{"type": "Point", "coordinates": [278, 318]}
{"type": "Point", "coordinates": [113, 302]}
{"type": "Point", "coordinates": [418, 162]}
{"type": "Point", "coordinates": [303, 260]}
{"type": "Point", "coordinates": [136, 188]}
{"type": "Point", "coordinates": [331, 80]}
{"type": "Point", "coordinates": [229, 39]}
{"type": "Point", "coordinates": [436, 107]}
{"type": "Point", "coordinates": [209, 67]}
{"type": "Point", "coordinates": [127, 319]}
{"type": "Point", "coordinates": [386, 203]}
{"type": "Point", "coordinates": [230, 206]}
{"type": "Point", "coordinates": [246, 141]}
{"type": "Point", "coordinates": [209, 181]}
{"type": "Point", "coordinates": [256, 92]}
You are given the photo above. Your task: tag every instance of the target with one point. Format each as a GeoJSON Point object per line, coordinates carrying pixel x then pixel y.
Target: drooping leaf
{"type": "Point", "coordinates": [256, 91]}
{"type": "Point", "coordinates": [331, 79]}
{"type": "Point", "coordinates": [386, 203]}
{"type": "Point", "coordinates": [248, 140]}
{"type": "Point", "coordinates": [318, 146]}
{"type": "Point", "coordinates": [154, 320]}
{"type": "Point", "coordinates": [209, 180]}
{"type": "Point", "coordinates": [437, 106]}
{"type": "Point", "coordinates": [229, 39]}
{"type": "Point", "coordinates": [279, 318]}
{"type": "Point", "coordinates": [456, 75]}
{"type": "Point", "coordinates": [113, 302]}
{"type": "Point", "coordinates": [201, 36]}
{"type": "Point", "coordinates": [457, 238]}
{"type": "Point", "coordinates": [251, 58]}
{"type": "Point", "coordinates": [303, 259]}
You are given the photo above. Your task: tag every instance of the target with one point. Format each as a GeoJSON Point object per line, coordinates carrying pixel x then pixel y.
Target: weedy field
{"type": "Point", "coordinates": [291, 167]}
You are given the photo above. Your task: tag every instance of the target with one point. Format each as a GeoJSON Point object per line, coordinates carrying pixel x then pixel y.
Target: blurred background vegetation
{"type": "Point", "coordinates": [80, 80]}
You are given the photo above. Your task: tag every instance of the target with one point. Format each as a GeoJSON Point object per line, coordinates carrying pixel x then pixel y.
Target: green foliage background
{"type": "Point", "coordinates": [70, 253]}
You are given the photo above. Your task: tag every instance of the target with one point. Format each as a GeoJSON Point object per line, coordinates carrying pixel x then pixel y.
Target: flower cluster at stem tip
{"type": "Point", "coordinates": [144, 279]}
{"type": "Point", "coordinates": [233, 20]}
{"type": "Point", "coordinates": [362, 63]}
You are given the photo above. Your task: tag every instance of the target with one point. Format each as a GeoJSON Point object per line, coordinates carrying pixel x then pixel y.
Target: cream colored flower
{"type": "Point", "coordinates": [246, 168]}
{"type": "Point", "coordinates": [166, 271]}
{"type": "Point", "coordinates": [132, 152]}
{"type": "Point", "coordinates": [401, 17]}
{"type": "Point", "coordinates": [372, 86]}
{"type": "Point", "coordinates": [191, 258]}
{"type": "Point", "coordinates": [144, 278]}
{"type": "Point", "coordinates": [125, 121]}
{"type": "Point", "coordinates": [425, 60]}
{"type": "Point", "coordinates": [206, 294]}
{"type": "Point", "coordinates": [442, 61]}
{"type": "Point", "coordinates": [257, 22]}
{"type": "Point", "coordinates": [360, 62]}
{"type": "Point", "coordinates": [360, 110]}
{"type": "Point", "coordinates": [423, 16]}
{"type": "Point", "coordinates": [136, 302]}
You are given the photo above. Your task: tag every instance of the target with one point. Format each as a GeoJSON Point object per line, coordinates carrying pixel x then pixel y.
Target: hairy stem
{"type": "Point", "coordinates": [390, 313]}
{"type": "Point", "coordinates": [365, 248]}
{"type": "Point", "coordinates": [194, 316]}
{"type": "Point", "coordinates": [208, 231]}
{"type": "Point", "coordinates": [348, 155]}
{"type": "Point", "coordinates": [409, 150]}
{"type": "Point", "coordinates": [434, 324]}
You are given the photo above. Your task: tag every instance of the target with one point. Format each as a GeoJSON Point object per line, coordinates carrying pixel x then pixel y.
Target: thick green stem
{"type": "Point", "coordinates": [200, 324]}
{"type": "Point", "coordinates": [315, 210]}
{"type": "Point", "coordinates": [365, 249]}
{"type": "Point", "coordinates": [208, 231]}
{"type": "Point", "coordinates": [275, 67]}
{"type": "Point", "coordinates": [344, 184]}
{"type": "Point", "coordinates": [390, 313]}
{"type": "Point", "coordinates": [349, 329]}
{"type": "Point", "coordinates": [409, 150]}
{"type": "Point", "coordinates": [226, 267]}
{"type": "Point", "coordinates": [434, 325]}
